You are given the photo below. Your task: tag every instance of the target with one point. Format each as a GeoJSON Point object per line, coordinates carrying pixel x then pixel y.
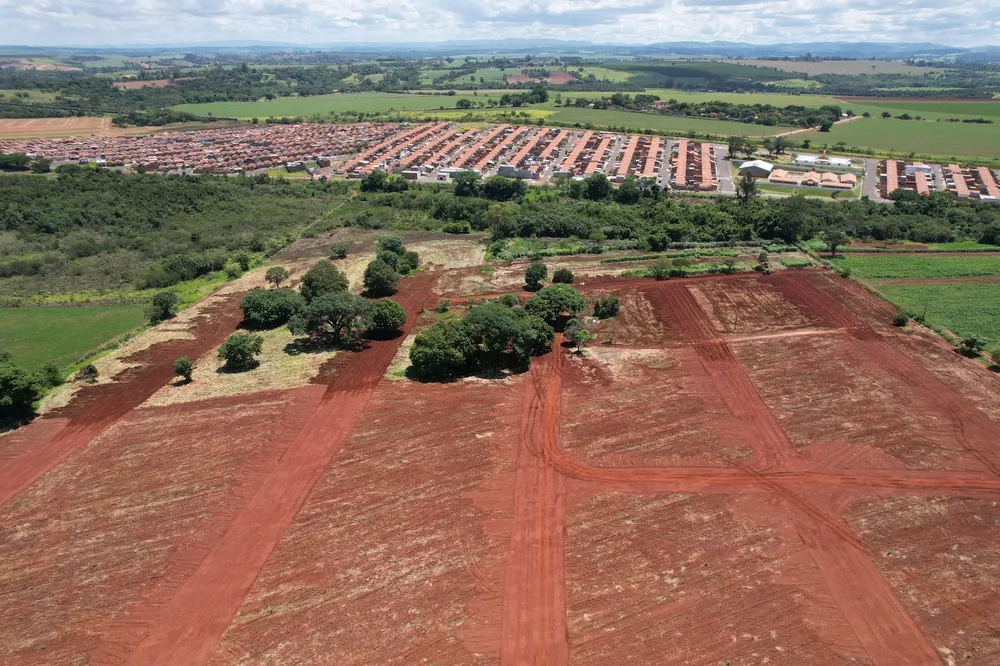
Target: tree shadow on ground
{"type": "Point", "coordinates": [227, 369]}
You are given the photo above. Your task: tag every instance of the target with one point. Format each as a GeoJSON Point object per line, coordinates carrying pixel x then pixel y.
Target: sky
{"type": "Point", "coordinates": [114, 22]}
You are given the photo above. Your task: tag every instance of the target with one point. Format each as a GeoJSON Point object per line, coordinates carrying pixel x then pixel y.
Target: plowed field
{"type": "Point", "coordinates": [737, 470]}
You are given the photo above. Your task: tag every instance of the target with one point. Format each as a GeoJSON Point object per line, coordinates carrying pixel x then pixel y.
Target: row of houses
{"type": "Point", "coordinates": [692, 167]}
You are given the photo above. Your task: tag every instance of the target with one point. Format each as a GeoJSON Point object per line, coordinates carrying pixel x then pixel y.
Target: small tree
{"type": "Point", "coordinates": [183, 367]}
{"type": "Point", "coordinates": [661, 268]}
{"type": "Point", "coordinates": [385, 315]}
{"type": "Point", "coordinates": [88, 373]}
{"type": "Point", "coordinates": [19, 389]}
{"type": "Point", "coordinates": [746, 188]}
{"type": "Point", "coordinates": [901, 319]}
{"type": "Point", "coordinates": [340, 314]}
{"type": "Point", "coordinates": [323, 278]}
{"type": "Point", "coordinates": [244, 259]}
{"type": "Point", "coordinates": [576, 333]}
{"type": "Point", "coordinates": [240, 350]}
{"type": "Point", "coordinates": [562, 276]}
{"type": "Point", "coordinates": [606, 308]}
{"type": "Point", "coordinates": [443, 350]}
{"type": "Point", "coordinates": [163, 307]}
{"type": "Point", "coordinates": [269, 308]}
{"type": "Point", "coordinates": [552, 301]}
{"type": "Point", "coordinates": [409, 262]}
{"type": "Point", "coordinates": [51, 374]}
{"type": "Point", "coordinates": [338, 251]}
{"type": "Point", "coordinates": [392, 244]}
{"type": "Point", "coordinates": [380, 279]}
{"type": "Point", "coordinates": [534, 274]}
{"type": "Point", "coordinates": [835, 239]}
{"type": "Point", "coordinates": [971, 346]}
{"type": "Point", "coordinates": [276, 275]}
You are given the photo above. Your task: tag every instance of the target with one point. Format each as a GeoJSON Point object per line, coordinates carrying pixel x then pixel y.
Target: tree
{"type": "Point", "coordinates": [834, 239]}
{"type": "Point", "coordinates": [87, 373]}
{"type": "Point", "coordinates": [40, 165]}
{"type": "Point", "coordinates": [576, 333]}
{"type": "Point", "coordinates": [163, 307]}
{"type": "Point", "coordinates": [392, 244]}
{"type": "Point", "coordinates": [183, 367]}
{"type": "Point", "coordinates": [270, 308]}
{"type": "Point", "coordinates": [467, 183]}
{"type": "Point", "coordinates": [337, 314]}
{"type": "Point", "coordinates": [409, 262]}
{"type": "Point", "coordinates": [19, 389]}
{"type": "Point", "coordinates": [779, 145]}
{"type": "Point", "coordinates": [385, 315]}
{"type": "Point", "coordinates": [323, 278]}
{"type": "Point", "coordinates": [442, 350]}
{"type": "Point", "coordinates": [380, 279]}
{"type": "Point", "coordinates": [606, 308]}
{"type": "Point", "coordinates": [240, 350]}
{"type": "Point", "coordinates": [463, 104]}
{"type": "Point", "coordinates": [661, 268]}
{"type": "Point", "coordinates": [886, 114]}
{"type": "Point", "coordinates": [971, 346]}
{"type": "Point", "coordinates": [737, 145]}
{"type": "Point", "coordinates": [276, 275]}
{"type": "Point", "coordinates": [746, 188]}
{"type": "Point", "coordinates": [390, 258]}
{"type": "Point", "coordinates": [563, 276]}
{"type": "Point", "coordinates": [534, 274]}
{"type": "Point", "coordinates": [552, 301]}
{"type": "Point", "coordinates": [598, 187]}
{"type": "Point", "coordinates": [375, 181]}
{"type": "Point", "coordinates": [338, 251]}
{"type": "Point", "coordinates": [500, 330]}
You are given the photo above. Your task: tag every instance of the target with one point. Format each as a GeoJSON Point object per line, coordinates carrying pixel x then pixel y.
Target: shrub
{"type": "Point", "coordinates": [270, 308]}
{"type": "Point", "coordinates": [19, 388]}
{"type": "Point", "coordinates": [163, 307]}
{"type": "Point", "coordinates": [661, 269]}
{"type": "Point", "coordinates": [534, 274]}
{"type": "Point", "coordinates": [338, 313]}
{"type": "Point", "coordinates": [51, 375]}
{"type": "Point", "coordinates": [552, 301]}
{"type": "Point", "coordinates": [390, 258]}
{"type": "Point", "coordinates": [240, 350]}
{"type": "Point", "coordinates": [510, 300]}
{"type": "Point", "coordinates": [576, 333]}
{"type": "Point", "coordinates": [232, 270]}
{"type": "Point", "coordinates": [410, 262]}
{"type": "Point", "coordinates": [456, 228]}
{"type": "Point", "coordinates": [338, 251]}
{"type": "Point", "coordinates": [563, 276]}
{"type": "Point", "coordinates": [392, 244]}
{"type": "Point", "coordinates": [971, 346]}
{"type": "Point", "coordinates": [276, 275]}
{"type": "Point", "coordinates": [88, 373]}
{"type": "Point", "coordinates": [183, 367]}
{"type": "Point", "coordinates": [385, 315]}
{"type": "Point", "coordinates": [380, 279]}
{"type": "Point", "coordinates": [443, 305]}
{"type": "Point", "coordinates": [901, 319]}
{"type": "Point", "coordinates": [606, 308]}
{"type": "Point", "coordinates": [443, 350]}
{"type": "Point", "coordinates": [323, 278]}
{"type": "Point", "coordinates": [244, 259]}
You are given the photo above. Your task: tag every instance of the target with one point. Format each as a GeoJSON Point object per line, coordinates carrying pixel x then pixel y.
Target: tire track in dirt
{"type": "Point", "coordinates": [764, 435]}
{"type": "Point", "coordinates": [974, 431]}
{"type": "Point", "coordinates": [533, 629]}
{"type": "Point", "coordinates": [99, 407]}
{"type": "Point", "coordinates": [194, 619]}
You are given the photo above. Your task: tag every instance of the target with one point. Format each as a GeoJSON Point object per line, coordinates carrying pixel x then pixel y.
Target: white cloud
{"type": "Point", "coordinates": [110, 22]}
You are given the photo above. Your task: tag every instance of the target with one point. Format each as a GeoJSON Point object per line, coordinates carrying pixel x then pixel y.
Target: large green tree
{"type": "Point", "coordinates": [552, 301]}
{"type": "Point", "coordinates": [323, 278]}
{"type": "Point", "coordinates": [336, 314]}
{"type": "Point", "coordinates": [445, 349]}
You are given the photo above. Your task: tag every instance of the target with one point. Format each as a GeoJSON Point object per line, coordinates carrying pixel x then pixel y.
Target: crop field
{"type": "Point", "coordinates": [917, 266]}
{"type": "Point", "coordinates": [339, 102]}
{"type": "Point", "coordinates": [36, 336]}
{"type": "Point", "coordinates": [838, 66]}
{"type": "Point", "coordinates": [643, 121]}
{"type": "Point", "coordinates": [30, 128]}
{"type": "Point", "coordinates": [946, 109]}
{"type": "Point", "coordinates": [906, 136]}
{"type": "Point", "coordinates": [737, 469]}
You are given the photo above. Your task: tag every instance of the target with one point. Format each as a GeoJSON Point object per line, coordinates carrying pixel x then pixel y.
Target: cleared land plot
{"type": "Point", "coordinates": [36, 336]}
{"type": "Point", "coordinates": [760, 469]}
{"type": "Point", "coordinates": [905, 136]}
{"type": "Point", "coordinates": [659, 123]}
{"type": "Point", "coordinates": [29, 128]}
{"type": "Point", "coordinates": [839, 66]}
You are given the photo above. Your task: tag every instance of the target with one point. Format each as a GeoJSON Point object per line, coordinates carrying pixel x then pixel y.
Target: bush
{"type": "Point", "coordinates": [385, 315]}
{"type": "Point", "coordinates": [87, 373]}
{"type": "Point", "coordinates": [270, 308]}
{"type": "Point", "coordinates": [163, 307]}
{"type": "Point", "coordinates": [183, 367]}
{"type": "Point", "coordinates": [456, 228]}
{"type": "Point", "coordinates": [534, 274]}
{"type": "Point", "coordinates": [392, 244]}
{"type": "Point", "coordinates": [409, 263]}
{"type": "Point", "coordinates": [19, 389]}
{"type": "Point", "coordinates": [338, 251]}
{"type": "Point", "coordinates": [276, 275]}
{"type": "Point", "coordinates": [563, 276]}
{"type": "Point", "coordinates": [661, 269]}
{"type": "Point", "coordinates": [244, 259]}
{"type": "Point", "coordinates": [443, 350]}
{"type": "Point", "coordinates": [443, 305]}
{"type": "Point", "coordinates": [554, 300]}
{"type": "Point", "coordinates": [232, 270]}
{"type": "Point", "coordinates": [501, 330]}
{"type": "Point", "coordinates": [510, 300]}
{"type": "Point", "coordinates": [971, 346]}
{"type": "Point", "coordinates": [606, 308]}
{"type": "Point", "coordinates": [323, 278]}
{"type": "Point", "coordinates": [239, 351]}
{"type": "Point", "coordinates": [390, 258]}
{"type": "Point", "coordinates": [381, 279]}
{"type": "Point", "coordinates": [51, 375]}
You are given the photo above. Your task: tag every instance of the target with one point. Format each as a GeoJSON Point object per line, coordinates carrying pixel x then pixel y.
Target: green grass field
{"type": "Point", "coordinates": [963, 309]}
{"type": "Point", "coordinates": [888, 266]}
{"type": "Point", "coordinates": [957, 109]}
{"type": "Point", "coordinates": [839, 66]}
{"type": "Point", "coordinates": [36, 336]}
{"type": "Point", "coordinates": [642, 121]}
{"type": "Point", "coordinates": [338, 102]}
{"type": "Point", "coordinates": [906, 136]}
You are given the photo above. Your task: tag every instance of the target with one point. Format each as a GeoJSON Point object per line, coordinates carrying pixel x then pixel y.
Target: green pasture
{"type": "Point", "coordinates": [62, 335]}
{"type": "Point", "coordinates": [648, 121]}
{"type": "Point", "coordinates": [963, 309]}
{"type": "Point", "coordinates": [906, 136]}
{"type": "Point", "coordinates": [320, 104]}
{"type": "Point", "coordinates": [949, 109]}
{"type": "Point", "coordinates": [889, 266]}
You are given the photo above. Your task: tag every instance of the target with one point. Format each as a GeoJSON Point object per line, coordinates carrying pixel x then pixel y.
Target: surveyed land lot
{"type": "Point", "coordinates": [738, 469]}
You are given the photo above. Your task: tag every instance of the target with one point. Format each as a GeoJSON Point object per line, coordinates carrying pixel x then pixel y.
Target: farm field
{"type": "Point", "coordinates": [752, 469]}
{"type": "Point", "coordinates": [874, 266]}
{"type": "Point", "coordinates": [36, 336]}
{"type": "Point", "coordinates": [839, 66]}
{"type": "Point", "coordinates": [906, 136]}
{"type": "Point", "coordinates": [643, 121]}
{"type": "Point", "coordinates": [304, 106]}
{"type": "Point", "coordinates": [28, 128]}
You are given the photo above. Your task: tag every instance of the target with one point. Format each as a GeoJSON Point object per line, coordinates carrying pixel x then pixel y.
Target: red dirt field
{"type": "Point", "coordinates": [26, 128]}
{"type": "Point", "coordinates": [759, 470]}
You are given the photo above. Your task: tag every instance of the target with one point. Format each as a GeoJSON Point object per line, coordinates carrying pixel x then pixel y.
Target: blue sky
{"type": "Point", "coordinates": [107, 22]}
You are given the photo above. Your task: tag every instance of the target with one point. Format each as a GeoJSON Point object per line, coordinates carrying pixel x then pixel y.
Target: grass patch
{"type": "Point", "coordinates": [905, 136]}
{"type": "Point", "coordinates": [658, 123]}
{"type": "Point", "coordinates": [963, 309]}
{"type": "Point", "coordinates": [61, 335]}
{"type": "Point", "coordinates": [888, 266]}
{"type": "Point", "coordinates": [795, 262]}
{"type": "Point", "coordinates": [321, 104]}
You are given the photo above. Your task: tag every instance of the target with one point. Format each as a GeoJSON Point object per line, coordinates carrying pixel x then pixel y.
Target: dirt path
{"type": "Point", "coordinates": [190, 623]}
{"type": "Point", "coordinates": [534, 618]}
{"type": "Point", "coordinates": [40, 447]}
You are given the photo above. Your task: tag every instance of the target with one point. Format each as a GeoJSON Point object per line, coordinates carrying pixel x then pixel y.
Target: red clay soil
{"type": "Point", "coordinates": [39, 446]}
{"type": "Point", "coordinates": [191, 623]}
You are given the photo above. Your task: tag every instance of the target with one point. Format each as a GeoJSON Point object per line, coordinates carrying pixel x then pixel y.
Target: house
{"type": "Point", "coordinates": [756, 168]}
{"type": "Point", "coordinates": [782, 177]}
